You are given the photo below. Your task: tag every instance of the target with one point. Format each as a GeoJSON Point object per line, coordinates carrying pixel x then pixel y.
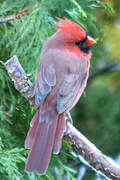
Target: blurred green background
{"type": "Point", "coordinates": [97, 115]}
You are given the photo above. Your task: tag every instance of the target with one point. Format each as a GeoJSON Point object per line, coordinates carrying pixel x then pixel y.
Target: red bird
{"type": "Point", "coordinates": [60, 81]}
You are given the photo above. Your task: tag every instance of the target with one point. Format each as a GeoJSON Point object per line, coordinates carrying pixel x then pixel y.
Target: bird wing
{"type": "Point", "coordinates": [45, 79]}
{"type": "Point", "coordinates": [71, 88]}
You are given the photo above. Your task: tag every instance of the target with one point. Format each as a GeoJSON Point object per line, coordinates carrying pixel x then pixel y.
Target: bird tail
{"type": "Point", "coordinates": [61, 127]}
{"type": "Point", "coordinates": [45, 134]}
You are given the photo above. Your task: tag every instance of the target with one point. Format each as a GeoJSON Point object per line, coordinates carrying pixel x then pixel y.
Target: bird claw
{"type": "Point", "coordinates": [32, 93]}
{"type": "Point", "coordinates": [69, 118]}
{"type": "Point", "coordinates": [29, 75]}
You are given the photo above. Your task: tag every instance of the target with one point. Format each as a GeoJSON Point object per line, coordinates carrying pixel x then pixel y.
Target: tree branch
{"type": "Point", "coordinates": [22, 13]}
{"type": "Point", "coordinates": [79, 142]}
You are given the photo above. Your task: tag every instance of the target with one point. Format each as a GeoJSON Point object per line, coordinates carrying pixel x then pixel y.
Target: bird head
{"type": "Point", "coordinates": [74, 36]}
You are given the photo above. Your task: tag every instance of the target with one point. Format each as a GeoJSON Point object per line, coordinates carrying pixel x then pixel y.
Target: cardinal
{"type": "Point", "coordinates": [60, 81]}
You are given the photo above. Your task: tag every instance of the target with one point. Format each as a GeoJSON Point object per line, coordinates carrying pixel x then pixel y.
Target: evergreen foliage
{"type": "Point", "coordinates": [24, 37]}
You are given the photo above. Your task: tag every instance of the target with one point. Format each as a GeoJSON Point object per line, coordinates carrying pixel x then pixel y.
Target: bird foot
{"type": "Point", "coordinates": [69, 118]}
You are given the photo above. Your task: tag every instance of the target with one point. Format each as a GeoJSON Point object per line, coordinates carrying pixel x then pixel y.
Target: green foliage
{"type": "Point", "coordinates": [25, 37]}
{"type": "Point", "coordinates": [9, 161]}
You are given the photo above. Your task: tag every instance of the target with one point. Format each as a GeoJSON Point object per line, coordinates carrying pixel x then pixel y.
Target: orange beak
{"type": "Point", "coordinates": [89, 42]}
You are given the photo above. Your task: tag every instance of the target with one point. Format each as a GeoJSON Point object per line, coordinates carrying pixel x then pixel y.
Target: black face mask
{"type": "Point", "coordinates": [80, 44]}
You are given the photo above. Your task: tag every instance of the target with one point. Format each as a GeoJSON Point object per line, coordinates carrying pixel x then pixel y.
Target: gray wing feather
{"type": "Point", "coordinates": [72, 85]}
{"type": "Point", "coordinates": [45, 79]}
{"type": "Point", "coordinates": [65, 97]}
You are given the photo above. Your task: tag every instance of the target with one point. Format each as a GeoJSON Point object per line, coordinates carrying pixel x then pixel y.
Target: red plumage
{"type": "Point", "coordinates": [61, 78]}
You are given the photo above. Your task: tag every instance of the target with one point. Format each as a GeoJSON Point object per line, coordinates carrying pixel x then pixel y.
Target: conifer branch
{"type": "Point", "coordinates": [18, 15]}
{"type": "Point", "coordinates": [7, 19]}
{"type": "Point", "coordinates": [79, 142]}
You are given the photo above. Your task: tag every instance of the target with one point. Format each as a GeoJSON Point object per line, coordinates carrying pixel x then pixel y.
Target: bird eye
{"type": "Point", "coordinates": [80, 44]}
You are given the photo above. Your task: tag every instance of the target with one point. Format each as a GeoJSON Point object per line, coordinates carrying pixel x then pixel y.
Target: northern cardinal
{"type": "Point", "coordinates": [60, 81]}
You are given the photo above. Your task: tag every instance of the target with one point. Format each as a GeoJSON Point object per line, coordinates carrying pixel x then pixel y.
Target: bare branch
{"type": "Point", "coordinates": [79, 142]}
{"type": "Point", "coordinates": [7, 19]}
{"type": "Point", "coordinates": [18, 15]}
{"type": "Point", "coordinates": [91, 154]}
{"type": "Point", "coordinates": [20, 79]}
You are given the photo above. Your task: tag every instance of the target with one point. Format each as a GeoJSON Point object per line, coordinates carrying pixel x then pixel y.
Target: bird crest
{"type": "Point", "coordinates": [70, 29]}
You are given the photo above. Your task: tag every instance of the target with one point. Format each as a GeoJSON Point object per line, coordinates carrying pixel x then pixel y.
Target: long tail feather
{"type": "Point", "coordinates": [45, 135]}
{"type": "Point", "coordinates": [40, 139]}
{"type": "Point", "coordinates": [31, 133]}
{"type": "Point", "coordinates": [41, 150]}
{"type": "Point", "coordinates": [61, 126]}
